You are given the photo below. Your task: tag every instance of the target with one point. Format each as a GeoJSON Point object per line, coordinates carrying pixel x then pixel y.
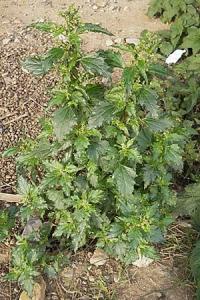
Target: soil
{"type": "Point", "coordinates": [23, 99]}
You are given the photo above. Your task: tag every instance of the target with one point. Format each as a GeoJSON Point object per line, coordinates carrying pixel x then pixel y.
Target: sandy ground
{"type": "Point", "coordinates": [125, 18]}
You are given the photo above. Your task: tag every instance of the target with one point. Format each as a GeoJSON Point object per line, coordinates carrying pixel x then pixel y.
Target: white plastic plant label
{"type": "Point", "coordinates": [174, 57]}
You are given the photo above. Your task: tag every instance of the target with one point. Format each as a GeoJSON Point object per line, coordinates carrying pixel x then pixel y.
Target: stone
{"type": "Point", "coordinates": [94, 7]}
{"type": "Point", "coordinates": [109, 43]}
{"type": "Point", "coordinates": [38, 291]}
{"type": "Point", "coordinates": [6, 41]}
{"type": "Point", "coordinates": [33, 225]}
{"type": "Point", "coordinates": [118, 40]}
{"type": "Point", "coordinates": [98, 258]}
{"type": "Point", "coordinates": [130, 40]}
{"type": "Point", "coordinates": [143, 262]}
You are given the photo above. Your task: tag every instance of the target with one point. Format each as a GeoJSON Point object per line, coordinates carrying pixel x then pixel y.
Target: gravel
{"type": "Point", "coordinates": [23, 98]}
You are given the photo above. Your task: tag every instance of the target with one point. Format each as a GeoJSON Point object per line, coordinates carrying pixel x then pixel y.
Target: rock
{"type": "Point", "coordinates": [98, 258]}
{"type": "Point", "coordinates": [94, 7]}
{"type": "Point", "coordinates": [33, 225]}
{"type": "Point", "coordinates": [109, 43]}
{"type": "Point", "coordinates": [6, 41]}
{"type": "Point", "coordinates": [143, 262]}
{"type": "Point", "coordinates": [118, 40]}
{"type": "Point", "coordinates": [38, 291]}
{"type": "Point", "coordinates": [132, 41]}
{"type": "Point", "coordinates": [24, 296]}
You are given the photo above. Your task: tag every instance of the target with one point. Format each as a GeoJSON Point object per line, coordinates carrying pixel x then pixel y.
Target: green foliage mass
{"type": "Point", "coordinates": [103, 166]}
{"type": "Point", "coordinates": [185, 28]}
{"type": "Point", "coordinates": [184, 32]}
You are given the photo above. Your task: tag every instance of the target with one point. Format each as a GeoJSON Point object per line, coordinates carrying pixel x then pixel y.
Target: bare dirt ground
{"type": "Point", "coordinates": [23, 99]}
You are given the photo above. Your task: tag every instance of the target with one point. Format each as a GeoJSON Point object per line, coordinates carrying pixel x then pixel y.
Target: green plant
{"type": "Point", "coordinates": [103, 165]}
{"type": "Point", "coordinates": [7, 222]}
{"type": "Point", "coordinates": [189, 204]}
{"type": "Point", "coordinates": [185, 28]}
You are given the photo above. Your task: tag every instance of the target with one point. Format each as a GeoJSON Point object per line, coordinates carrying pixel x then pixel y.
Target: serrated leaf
{"type": "Point", "coordinates": [102, 113]}
{"type": "Point", "coordinates": [57, 197]}
{"type": "Point", "coordinates": [112, 58]}
{"type": "Point", "coordinates": [96, 65]}
{"type": "Point", "coordinates": [89, 27]}
{"type": "Point", "coordinates": [176, 32]}
{"type": "Point", "coordinates": [128, 77]}
{"type": "Point", "coordinates": [189, 200]}
{"type": "Point", "coordinates": [58, 98]}
{"type": "Point", "coordinates": [166, 48]}
{"type": "Point", "coordinates": [42, 64]}
{"type": "Point", "coordinates": [63, 121]}
{"type": "Point", "coordinates": [23, 186]}
{"type": "Point", "coordinates": [148, 98]}
{"type": "Point", "coordinates": [157, 125]}
{"type": "Point", "coordinates": [44, 26]}
{"type": "Point", "coordinates": [55, 54]}
{"type": "Point", "coordinates": [37, 65]}
{"type": "Point", "coordinates": [124, 178]}
{"type": "Point", "coordinates": [149, 175]}
{"type": "Point", "coordinates": [192, 40]}
{"type": "Point", "coordinates": [173, 156]}
{"type": "Point", "coordinates": [158, 70]}
{"type": "Point", "coordinates": [144, 139]}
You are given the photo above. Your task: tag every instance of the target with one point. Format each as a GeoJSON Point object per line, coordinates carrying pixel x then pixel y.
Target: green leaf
{"type": "Point", "coordinates": [112, 58]}
{"type": "Point", "coordinates": [144, 139]}
{"type": "Point", "coordinates": [124, 178]}
{"type": "Point", "coordinates": [128, 77]}
{"type": "Point", "coordinates": [57, 197]}
{"type": "Point", "coordinates": [158, 70]}
{"type": "Point", "coordinates": [96, 65]}
{"type": "Point", "coordinates": [195, 261]}
{"type": "Point", "coordinates": [10, 152]}
{"type": "Point", "coordinates": [176, 32]}
{"type": "Point", "coordinates": [149, 175]}
{"type": "Point", "coordinates": [189, 200]}
{"type": "Point", "coordinates": [173, 156]}
{"type": "Point", "coordinates": [37, 65]}
{"type": "Point", "coordinates": [89, 27]}
{"type": "Point", "coordinates": [148, 98]}
{"type": "Point", "coordinates": [192, 40]}
{"type": "Point", "coordinates": [41, 65]}
{"type": "Point", "coordinates": [23, 186]}
{"type": "Point", "coordinates": [102, 113]}
{"type": "Point", "coordinates": [157, 125]}
{"type": "Point", "coordinates": [58, 98]}
{"type": "Point", "coordinates": [55, 54]}
{"type": "Point", "coordinates": [166, 48]}
{"type": "Point", "coordinates": [44, 26]}
{"type": "Point", "coordinates": [63, 121]}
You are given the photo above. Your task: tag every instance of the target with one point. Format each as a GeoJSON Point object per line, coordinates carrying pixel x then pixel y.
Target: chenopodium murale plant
{"type": "Point", "coordinates": [102, 167]}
